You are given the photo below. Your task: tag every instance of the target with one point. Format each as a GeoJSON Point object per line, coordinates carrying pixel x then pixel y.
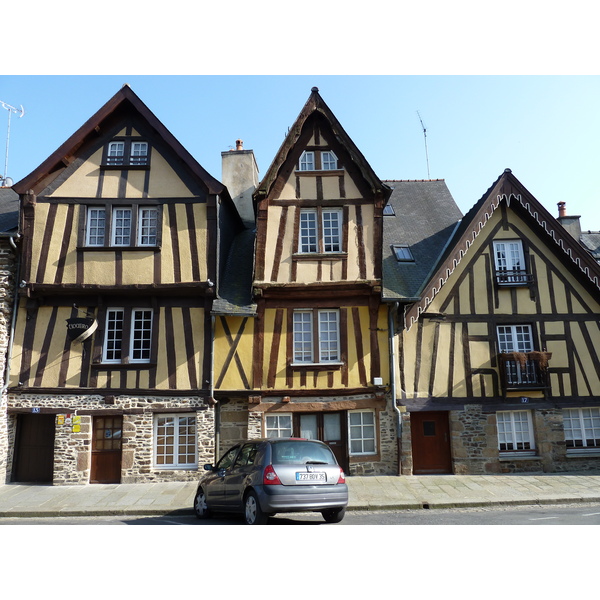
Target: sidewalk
{"type": "Point", "coordinates": [366, 493]}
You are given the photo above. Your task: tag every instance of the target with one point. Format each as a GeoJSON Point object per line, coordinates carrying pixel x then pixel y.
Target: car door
{"type": "Point", "coordinates": [235, 480]}
{"type": "Point", "coordinates": [214, 484]}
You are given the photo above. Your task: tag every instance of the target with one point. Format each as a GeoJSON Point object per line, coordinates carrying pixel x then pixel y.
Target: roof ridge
{"type": "Point", "coordinates": [412, 180]}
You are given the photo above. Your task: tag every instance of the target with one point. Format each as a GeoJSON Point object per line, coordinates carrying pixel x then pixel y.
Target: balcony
{"type": "Point", "coordinates": [505, 277]}
{"type": "Point", "coordinates": [524, 370]}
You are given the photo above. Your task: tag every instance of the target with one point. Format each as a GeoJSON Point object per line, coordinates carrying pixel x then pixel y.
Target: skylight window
{"type": "Point", "coordinates": [403, 253]}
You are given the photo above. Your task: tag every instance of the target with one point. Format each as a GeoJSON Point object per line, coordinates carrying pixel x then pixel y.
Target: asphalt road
{"type": "Point", "coordinates": [573, 514]}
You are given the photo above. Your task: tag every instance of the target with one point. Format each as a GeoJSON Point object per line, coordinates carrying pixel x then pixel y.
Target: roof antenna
{"type": "Point", "coordinates": [425, 137]}
{"type": "Point", "coordinates": [4, 179]}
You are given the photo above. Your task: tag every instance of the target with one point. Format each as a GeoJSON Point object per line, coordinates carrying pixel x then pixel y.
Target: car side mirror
{"type": "Point", "coordinates": [208, 467]}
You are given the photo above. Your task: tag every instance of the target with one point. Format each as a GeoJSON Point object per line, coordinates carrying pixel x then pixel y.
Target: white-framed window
{"type": "Point", "coordinates": [307, 161]}
{"type": "Point", "coordinates": [402, 253]}
{"type": "Point", "coordinates": [320, 230]}
{"type": "Point", "coordinates": [96, 224]}
{"type": "Point", "coordinates": [517, 338]}
{"type": "Point", "coordinates": [147, 226]}
{"type": "Point", "coordinates": [277, 426]}
{"type": "Point", "coordinates": [175, 441]}
{"type": "Point", "coordinates": [328, 161]}
{"type": "Point", "coordinates": [361, 432]}
{"type": "Point", "coordinates": [326, 347]}
{"type": "Point", "coordinates": [136, 349]}
{"type": "Point", "coordinates": [515, 431]}
{"type": "Point", "coordinates": [121, 227]}
{"type": "Point", "coordinates": [582, 428]}
{"type": "Point", "coordinates": [139, 153]}
{"type": "Point", "coordinates": [509, 260]}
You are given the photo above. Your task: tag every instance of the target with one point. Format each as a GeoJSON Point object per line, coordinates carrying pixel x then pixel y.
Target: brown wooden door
{"type": "Point", "coordinates": [34, 449]}
{"type": "Point", "coordinates": [430, 433]}
{"type": "Point", "coordinates": [106, 449]}
{"type": "Point", "coordinates": [327, 427]}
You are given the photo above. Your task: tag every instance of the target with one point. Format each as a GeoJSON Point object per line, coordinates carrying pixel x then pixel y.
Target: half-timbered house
{"type": "Point", "coordinates": [316, 357]}
{"type": "Point", "coordinates": [111, 367]}
{"type": "Point", "coordinates": [498, 366]}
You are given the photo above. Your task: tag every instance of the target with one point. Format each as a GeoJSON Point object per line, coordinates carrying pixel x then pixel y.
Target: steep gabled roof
{"type": "Point", "coordinates": [506, 189]}
{"type": "Point", "coordinates": [66, 154]}
{"type": "Point", "coordinates": [424, 218]}
{"type": "Point", "coordinates": [316, 104]}
{"type": "Point", "coordinates": [9, 210]}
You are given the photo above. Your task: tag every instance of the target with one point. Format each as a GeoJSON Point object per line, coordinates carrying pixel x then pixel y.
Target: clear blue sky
{"type": "Point", "coordinates": [545, 128]}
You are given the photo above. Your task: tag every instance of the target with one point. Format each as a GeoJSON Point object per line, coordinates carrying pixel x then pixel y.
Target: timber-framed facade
{"type": "Point", "coordinates": [110, 377]}
{"type": "Point", "coordinates": [498, 361]}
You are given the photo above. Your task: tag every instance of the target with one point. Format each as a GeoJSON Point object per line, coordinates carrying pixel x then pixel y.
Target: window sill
{"type": "Point", "coordinates": [332, 366]}
{"type": "Point", "coordinates": [583, 452]}
{"type": "Point", "coordinates": [115, 248]}
{"type": "Point", "coordinates": [158, 468]}
{"type": "Point", "coordinates": [320, 172]}
{"type": "Point", "coordinates": [130, 365]}
{"type": "Point", "coordinates": [125, 166]}
{"type": "Point", "coordinates": [509, 456]}
{"type": "Point", "coordinates": [320, 256]}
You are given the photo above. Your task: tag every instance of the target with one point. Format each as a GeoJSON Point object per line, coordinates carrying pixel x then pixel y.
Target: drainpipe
{"type": "Point", "coordinates": [216, 407]}
{"type": "Point", "coordinates": [391, 336]}
{"type": "Point", "coordinates": [11, 239]}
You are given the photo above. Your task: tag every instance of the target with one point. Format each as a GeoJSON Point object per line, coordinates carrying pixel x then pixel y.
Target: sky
{"type": "Point", "coordinates": [465, 129]}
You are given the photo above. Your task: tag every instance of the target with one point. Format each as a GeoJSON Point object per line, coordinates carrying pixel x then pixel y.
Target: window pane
{"type": "Point", "coordinates": [328, 336]}
{"type": "Point", "coordinates": [308, 231]}
{"type": "Point", "coordinates": [332, 221]}
{"type": "Point", "coordinates": [116, 151]}
{"type": "Point", "coordinates": [95, 226]}
{"type": "Point", "coordinates": [141, 335]}
{"type": "Point", "coordinates": [303, 338]}
{"type": "Point", "coordinates": [114, 335]}
{"type": "Point", "coordinates": [148, 226]}
{"type": "Point", "coordinates": [121, 226]}
{"type": "Point", "coordinates": [279, 426]}
{"type": "Point", "coordinates": [328, 161]}
{"type": "Point", "coordinates": [307, 161]}
{"type": "Point", "coordinates": [362, 432]}
{"type": "Point", "coordinates": [175, 441]}
{"type": "Point", "coordinates": [139, 153]}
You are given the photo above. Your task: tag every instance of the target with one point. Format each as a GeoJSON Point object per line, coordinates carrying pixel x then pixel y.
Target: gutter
{"type": "Point", "coordinates": [391, 338]}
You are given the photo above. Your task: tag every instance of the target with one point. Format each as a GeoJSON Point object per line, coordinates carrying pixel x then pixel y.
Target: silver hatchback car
{"type": "Point", "coordinates": [259, 478]}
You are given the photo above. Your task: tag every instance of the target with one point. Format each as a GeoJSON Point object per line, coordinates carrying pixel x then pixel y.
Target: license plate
{"type": "Point", "coordinates": [311, 477]}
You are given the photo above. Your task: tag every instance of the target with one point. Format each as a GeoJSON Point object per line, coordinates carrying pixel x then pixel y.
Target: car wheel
{"type": "Point", "coordinates": [253, 514]}
{"type": "Point", "coordinates": [200, 507]}
{"type": "Point", "coordinates": [334, 515]}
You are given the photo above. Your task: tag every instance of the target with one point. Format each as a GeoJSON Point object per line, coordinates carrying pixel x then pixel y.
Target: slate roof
{"type": "Point", "coordinates": [9, 210]}
{"type": "Point", "coordinates": [591, 240]}
{"type": "Point", "coordinates": [425, 218]}
{"type": "Point", "coordinates": [234, 295]}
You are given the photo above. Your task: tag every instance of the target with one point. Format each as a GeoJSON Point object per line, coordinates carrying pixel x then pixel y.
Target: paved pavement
{"type": "Point", "coordinates": [366, 493]}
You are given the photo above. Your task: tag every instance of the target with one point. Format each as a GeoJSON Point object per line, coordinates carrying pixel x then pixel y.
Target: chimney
{"type": "Point", "coordinates": [239, 173]}
{"type": "Point", "coordinates": [571, 224]}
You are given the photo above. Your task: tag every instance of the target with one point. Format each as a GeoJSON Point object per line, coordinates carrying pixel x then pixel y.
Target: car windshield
{"type": "Point", "coordinates": [290, 452]}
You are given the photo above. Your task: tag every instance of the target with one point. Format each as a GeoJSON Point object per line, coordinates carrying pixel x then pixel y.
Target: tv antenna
{"type": "Point", "coordinates": [5, 179]}
{"type": "Point", "coordinates": [425, 138]}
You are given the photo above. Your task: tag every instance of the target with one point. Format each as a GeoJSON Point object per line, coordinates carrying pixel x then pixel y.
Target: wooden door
{"type": "Point", "coordinates": [430, 433]}
{"type": "Point", "coordinates": [34, 449]}
{"type": "Point", "coordinates": [106, 449]}
{"type": "Point", "coordinates": [328, 428]}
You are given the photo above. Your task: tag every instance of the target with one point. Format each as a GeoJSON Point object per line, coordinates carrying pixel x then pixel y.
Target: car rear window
{"type": "Point", "coordinates": [290, 452]}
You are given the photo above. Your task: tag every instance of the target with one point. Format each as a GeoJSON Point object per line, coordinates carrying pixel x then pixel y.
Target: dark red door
{"type": "Point", "coordinates": [327, 427]}
{"type": "Point", "coordinates": [430, 433]}
{"type": "Point", "coordinates": [34, 449]}
{"type": "Point", "coordinates": [106, 449]}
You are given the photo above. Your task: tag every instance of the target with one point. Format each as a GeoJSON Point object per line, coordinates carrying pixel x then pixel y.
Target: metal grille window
{"type": "Point", "coordinates": [320, 230]}
{"type": "Point", "coordinates": [582, 427]}
{"type": "Point", "coordinates": [116, 153]}
{"type": "Point", "coordinates": [147, 226]}
{"type": "Point", "coordinates": [517, 338]}
{"type": "Point", "coordinates": [324, 343]}
{"type": "Point", "coordinates": [121, 227]}
{"type": "Point", "coordinates": [515, 431]}
{"type": "Point", "coordinates": [278, 426]}
{"type": "Point", "coordinates": [175, 441]}
{"type": "Point", "coordinates": [361, 431]}
{"type": "Point", "coordinates": [510, 262]}
{"type": "Point", "coordinates": [96, 223]}
{"type": "Point", "coordinates": [139, 153]}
